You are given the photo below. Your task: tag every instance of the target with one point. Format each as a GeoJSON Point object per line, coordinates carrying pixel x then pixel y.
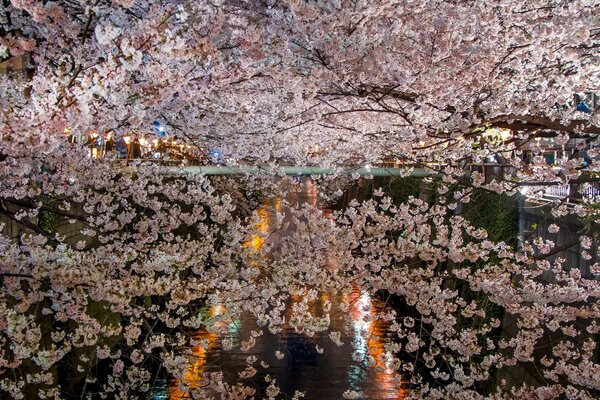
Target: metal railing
{"type": "Point", "coordinates": [575, 192]}
{"type": "Point", "coordinates": [584, 190]}
{"type": "Point", "coordinates": [186, 158]}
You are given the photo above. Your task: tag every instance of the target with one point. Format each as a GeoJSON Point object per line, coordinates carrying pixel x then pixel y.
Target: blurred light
{"type": "Point", "coordinates": [159, 128]}
{"type": "Point", "coordinates": [495, 134]}
{"type": "Point", "coordinates": [583, 107]}
{"type": "Point", "coordinates": [215, 153]}
{"type": "Point", "coordinates": [505, 134]}
{"type": "Point", "coordinates": [127, 139]}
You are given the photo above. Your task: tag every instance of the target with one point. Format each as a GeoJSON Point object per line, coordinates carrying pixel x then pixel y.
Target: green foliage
{"type": "Point", "coordinates": [48, 221]}
{"type": "Point", "coordinates": [398, 188]}
{"type": "Point", "coordinates": [592, 219]}
{"type": "Point", "coordinates": [498, 214]}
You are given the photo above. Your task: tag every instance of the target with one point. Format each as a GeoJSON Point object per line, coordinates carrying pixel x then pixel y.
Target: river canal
{"type": "Point", "coordinates": [314, 365]}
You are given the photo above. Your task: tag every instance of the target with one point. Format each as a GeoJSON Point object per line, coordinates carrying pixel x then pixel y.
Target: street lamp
{"type": "Point", "coordinates": [127, 140]}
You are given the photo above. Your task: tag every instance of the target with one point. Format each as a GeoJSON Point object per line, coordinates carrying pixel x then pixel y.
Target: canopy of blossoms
{"type": "Point", "coordinates": [433, 84]}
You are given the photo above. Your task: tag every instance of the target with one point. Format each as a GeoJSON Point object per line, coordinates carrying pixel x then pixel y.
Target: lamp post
{"type": "Point", "coordinates": [127, 139]}
{"type": "Point", "coordinates": [143, 142]}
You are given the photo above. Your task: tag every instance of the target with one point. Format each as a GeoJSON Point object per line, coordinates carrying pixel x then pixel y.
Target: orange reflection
{"type": "Point", "coordinates": [256, 241]}
{"type": "Point", "coordinates": [194, 376]}
{"type": "Point", "coordinates": [369, 332]}
{"type": "Point", "coordinates": [263, 220]}
{"type": "Point", "coordinates": [278, 204]}
{"type": "Point", "coordinates": [370, 345]}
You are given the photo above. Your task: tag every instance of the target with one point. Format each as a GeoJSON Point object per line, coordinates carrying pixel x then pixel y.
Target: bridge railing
{"type": "Point", "coordinates": [574, 192]}
{"type": "Point", "coordinates": [585, 189]}
{"type": "Point", "coordinates": [166, 152]}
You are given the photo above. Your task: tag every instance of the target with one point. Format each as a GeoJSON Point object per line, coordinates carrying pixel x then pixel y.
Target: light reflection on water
{"type": "Point", "coordinates": [312, 364]}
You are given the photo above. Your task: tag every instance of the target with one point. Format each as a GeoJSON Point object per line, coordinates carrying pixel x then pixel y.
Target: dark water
{"type": "Point", "coordinates": [313, 364]}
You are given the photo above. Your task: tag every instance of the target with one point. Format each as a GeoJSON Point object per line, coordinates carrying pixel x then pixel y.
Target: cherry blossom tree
{"type": "Point", "coordinates": [439, 84]}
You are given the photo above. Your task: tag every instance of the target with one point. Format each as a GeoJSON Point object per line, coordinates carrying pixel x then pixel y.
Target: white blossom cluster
{"type": "Point", "coordinates": [425, 84]}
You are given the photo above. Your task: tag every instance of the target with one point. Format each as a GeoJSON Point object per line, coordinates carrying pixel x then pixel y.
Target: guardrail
{"type": "Point", "coordinates": [293, 170]}
{"type": "Point", "coordinates": [574, 192]}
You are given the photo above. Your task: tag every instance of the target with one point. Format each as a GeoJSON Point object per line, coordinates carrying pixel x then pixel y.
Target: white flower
{"type": "Point", "coordinates": [3, 51]}
{"type": "Point", "coordinates": [249, 372]}
{"type": "Point", "coordinates": [182, 15]}
{"type": "Point", "coordinates": [586, 242]}
{"type": "Point", "coordinates": [336, 338]}
{"type": "Point", "coordinates": [106, 34]}
{"type": "Point", "coordinates": [351, 394]}
{"type": "Point", "coordinates": [272, 390]}
{"type": "Point", "coordinates": [553, 228]}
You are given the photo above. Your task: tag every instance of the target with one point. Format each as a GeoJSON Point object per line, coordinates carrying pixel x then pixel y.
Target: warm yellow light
{"type": "Point", "coordinates": [263, 221]}
{"type": "Point", "coordinates": [505, 134]}
{"type": "Point", "coordinates": [255, 243]}
{"type": "Point", "coordinates": [155, 142]}
{"type": "Point", "coordinates": [494, 134]}
{"type": "Point", "coordinates": [127, 139]}
{"type": "Point", "coordinates": [278, 204]}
